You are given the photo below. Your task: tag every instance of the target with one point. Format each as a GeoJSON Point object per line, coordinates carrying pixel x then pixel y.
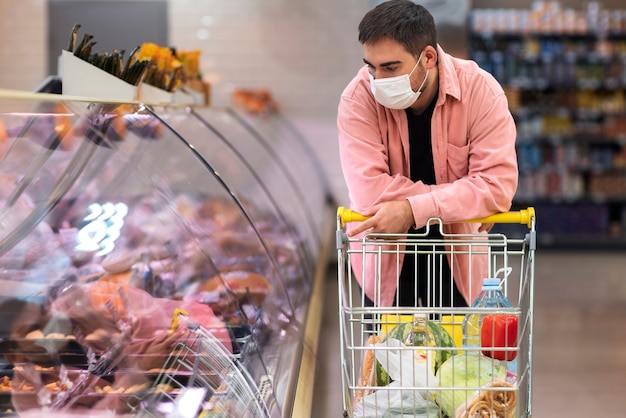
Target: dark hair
{"type": "Point", "coordinates": [403, 21]}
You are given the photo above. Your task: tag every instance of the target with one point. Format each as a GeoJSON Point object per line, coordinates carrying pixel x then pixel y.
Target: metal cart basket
{"type": "Point", "coordinates": [385, 372]}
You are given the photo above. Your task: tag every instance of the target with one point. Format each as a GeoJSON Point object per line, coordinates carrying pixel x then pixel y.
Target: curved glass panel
{"type": "Point", "coordinates": [119, 227]}
{"type": "Point", "coordinates": [265, 160]}
{"type": "Point", "coordinates": [285, 245]}
{"type": "Point", "coordinates": [296, 156]}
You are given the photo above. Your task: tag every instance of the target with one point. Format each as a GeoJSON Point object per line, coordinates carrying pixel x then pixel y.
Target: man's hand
{"type": "Point", "coordinates": [394, 217]}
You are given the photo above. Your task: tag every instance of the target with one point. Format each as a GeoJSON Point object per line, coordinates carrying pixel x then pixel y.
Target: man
{"type": "Point", "coordinates": [422, 134]}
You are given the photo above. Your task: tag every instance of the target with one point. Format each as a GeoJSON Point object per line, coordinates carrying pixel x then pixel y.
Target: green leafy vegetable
{"type": "Point", "coordinates": [462, 375]}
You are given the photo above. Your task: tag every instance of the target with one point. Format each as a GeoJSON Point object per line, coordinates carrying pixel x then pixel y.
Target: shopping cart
{"type": "Point", "coordinates": [383, 376]}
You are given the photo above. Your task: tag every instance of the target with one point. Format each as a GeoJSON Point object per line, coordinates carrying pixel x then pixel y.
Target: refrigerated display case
{"type": "Point", "coordinates": [117, 220]}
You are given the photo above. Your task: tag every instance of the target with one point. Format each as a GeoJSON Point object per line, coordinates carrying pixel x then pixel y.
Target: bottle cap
{"type": "Point", "coordinates": [492, 282]}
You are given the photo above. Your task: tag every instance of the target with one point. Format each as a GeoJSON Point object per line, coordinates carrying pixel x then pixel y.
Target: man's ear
{"type": "Point", "coordinates": [430, 53]}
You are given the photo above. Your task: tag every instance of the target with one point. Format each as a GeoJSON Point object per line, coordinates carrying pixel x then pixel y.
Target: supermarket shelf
{"type": "Point", "coordinates": [566, 88]}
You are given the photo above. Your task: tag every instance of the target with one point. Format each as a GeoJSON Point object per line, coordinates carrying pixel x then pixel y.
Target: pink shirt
{"type": "Point", "coordinates": [473, 142]}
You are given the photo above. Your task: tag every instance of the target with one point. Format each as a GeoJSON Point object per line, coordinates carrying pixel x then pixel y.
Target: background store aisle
{"type": "Point", "coordinates": [579, 360]}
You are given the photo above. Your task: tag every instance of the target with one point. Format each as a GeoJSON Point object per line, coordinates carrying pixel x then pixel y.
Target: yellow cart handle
{"type": "Point", "coordinates": [523, 217]}
{"type": "Point", "coordinates": [348, 215]}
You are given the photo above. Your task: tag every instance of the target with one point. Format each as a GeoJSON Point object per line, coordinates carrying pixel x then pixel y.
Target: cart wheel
{"type": "Point", "coordinates": [345, 414]}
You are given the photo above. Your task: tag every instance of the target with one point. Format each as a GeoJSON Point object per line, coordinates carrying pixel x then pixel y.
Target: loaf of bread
{"type": "Point", "coordinates": [368, 371]}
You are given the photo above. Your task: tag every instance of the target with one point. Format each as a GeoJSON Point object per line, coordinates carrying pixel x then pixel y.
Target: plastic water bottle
{"type": "Point", "coordinates": [491, 296]}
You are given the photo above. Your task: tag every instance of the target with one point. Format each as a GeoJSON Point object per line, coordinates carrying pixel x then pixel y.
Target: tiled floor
{"type": "Point", "coordinates": [579, 360]}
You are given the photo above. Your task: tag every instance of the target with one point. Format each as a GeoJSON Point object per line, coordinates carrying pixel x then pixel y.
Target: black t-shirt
{"type": "Point", "coordinates": [420, 145]}
{"type": "Point", "coordinates": [431, 274]}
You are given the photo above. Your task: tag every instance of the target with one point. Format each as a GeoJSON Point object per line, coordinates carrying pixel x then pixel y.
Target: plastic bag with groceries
{"type": "Point", "coordinates": [406, 371]}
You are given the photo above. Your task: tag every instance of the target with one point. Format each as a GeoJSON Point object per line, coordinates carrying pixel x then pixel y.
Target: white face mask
{"type": "Point", "coordinates": [396, 92]}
